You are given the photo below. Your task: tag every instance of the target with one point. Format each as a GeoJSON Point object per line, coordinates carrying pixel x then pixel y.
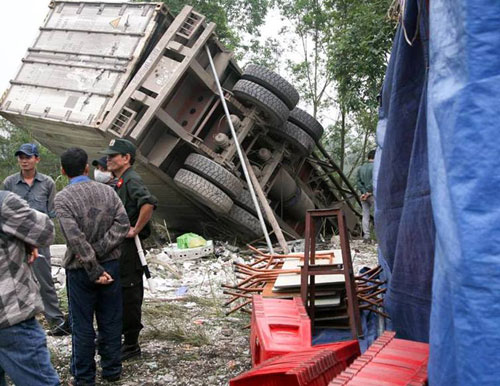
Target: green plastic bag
{"type": "Point", "coordinates": [190, 240]}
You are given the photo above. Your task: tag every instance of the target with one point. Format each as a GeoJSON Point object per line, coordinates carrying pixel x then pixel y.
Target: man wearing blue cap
{"type": "Point", "coordinates": [39, 191]}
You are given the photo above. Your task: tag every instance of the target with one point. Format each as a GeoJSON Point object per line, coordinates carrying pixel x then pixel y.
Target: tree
{"type": "Point", "coordinates": [307, 23]}
{"type": "Point", "coordinates": [358, 49]}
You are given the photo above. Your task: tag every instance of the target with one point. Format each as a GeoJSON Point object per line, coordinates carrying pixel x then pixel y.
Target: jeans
{"type": "Point", "coordinates": [367, 206]}
{"type": "Point", "coordinates": [105, 301]}
{"type": "Point", "coordinates": [24, 355]}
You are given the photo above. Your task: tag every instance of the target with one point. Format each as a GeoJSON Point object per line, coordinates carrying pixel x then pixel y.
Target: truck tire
{"type": "Point", "coordinates": [245, 201]}
{"type": "Point", "coordinates": [273, 82]}
{"type": "Point", "coordinates": [307, 123]}
{"type": "Point", "coordinates": [273, 108]}
{"type": "Point", "coordinates": [215, 173]}
{"type": "Point", "coordinates": [297, 137]}
{"type": "Point", "coordinates": [204, 191]}
{"type": "Point", "coordinates": [246, 221]}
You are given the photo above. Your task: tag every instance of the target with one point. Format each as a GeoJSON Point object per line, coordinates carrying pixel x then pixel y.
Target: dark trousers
{"type": "Point", "coordinates": [105, 301]}
{"type": "Point", "coordinates": [43, 272]}
{"type": "Point", "coordinates": [132, 291]}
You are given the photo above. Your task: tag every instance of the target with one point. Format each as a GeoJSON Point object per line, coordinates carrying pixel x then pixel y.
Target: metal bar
{"type": "Point", "coordinates": [33, 49]}
{"type": "Point", "coordinates": [342, 193]}
{"type": "Point", "coordinates": [203, 75]}
{"type": "Point", "coordinates": [18, 83]}
{"type": "Point", "coordinates": [339, 171]}
{"type": "Point", "coordinates": [146, 69]}
{"type": "Point", "coordinates": [173, 125]}
{"type": "Point", "coordinates": [352, 307]}
{"type": "Point", "coordinates": [111, 69]}
{"type": "Point", "coordinates": [88, 31]}
{"type": "Point", "coordinates": [240, 153]}
{"type": "Point", "coordinates": [170, 86]}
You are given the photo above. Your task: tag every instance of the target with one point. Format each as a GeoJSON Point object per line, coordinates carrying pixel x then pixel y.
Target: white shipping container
{"type": "Point", "coordinates": [82, 59]}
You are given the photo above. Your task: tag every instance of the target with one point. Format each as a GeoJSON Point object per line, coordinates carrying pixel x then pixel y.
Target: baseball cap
{"type": "Point", "coordinates": [120, 146]}
{"type": "Point", "coordinates": [29, 149]}
{"type": "Point", "coordinates": [101, 161]}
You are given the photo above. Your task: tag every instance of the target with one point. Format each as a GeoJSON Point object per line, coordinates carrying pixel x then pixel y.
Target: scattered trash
{"type": "Point", "coordinates": [191, 253]}
{"type": "Point", "coordinates": [181, 291]}
{"type": "Point", "coordinates": [190, 240]}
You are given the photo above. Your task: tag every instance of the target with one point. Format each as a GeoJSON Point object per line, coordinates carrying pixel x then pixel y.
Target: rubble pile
{"type": "Point", "coordinates": [187, 337]}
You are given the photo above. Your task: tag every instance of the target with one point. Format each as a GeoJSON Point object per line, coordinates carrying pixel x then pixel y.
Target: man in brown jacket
{"type": "Point", "coordinates": [94, 223]}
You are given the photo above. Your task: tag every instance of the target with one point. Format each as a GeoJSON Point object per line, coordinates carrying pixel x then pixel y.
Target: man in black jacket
{"type": "Point", "coordinates": [139, 204]}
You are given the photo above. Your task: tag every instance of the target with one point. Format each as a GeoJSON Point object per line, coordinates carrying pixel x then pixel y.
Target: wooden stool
{"type": "Point", "coordinates": [311, 269]}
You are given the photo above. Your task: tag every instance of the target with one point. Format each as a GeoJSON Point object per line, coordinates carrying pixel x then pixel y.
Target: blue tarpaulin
{"type": "Point", "coordinates": [464, 152]}
{"type": "Point", "coordinates": [437, 181]}
{"type": "Point", "coordinates": [403, 213]}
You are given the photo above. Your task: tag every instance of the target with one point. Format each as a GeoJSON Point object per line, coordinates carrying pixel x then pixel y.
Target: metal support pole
{"type": "Point", "coordinates": [240, 153]}
{"type": "Point", "coordinates": [144, 264]}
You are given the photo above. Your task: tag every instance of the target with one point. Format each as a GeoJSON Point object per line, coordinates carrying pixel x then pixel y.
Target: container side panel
{"type": "Point", "coordinates": [72, 107]}
{"type": "Point", "coordinates": [116, 17]}
{"type": "Point", "coordinates": [84, 55]}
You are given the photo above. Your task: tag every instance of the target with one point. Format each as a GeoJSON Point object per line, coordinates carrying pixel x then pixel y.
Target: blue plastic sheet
{"type": "Point", "coordinates": [369, 323]}
{"type": "Point", "coordinates": [464, 153]}
{"type": "Point", "coordinates": [403, 215]}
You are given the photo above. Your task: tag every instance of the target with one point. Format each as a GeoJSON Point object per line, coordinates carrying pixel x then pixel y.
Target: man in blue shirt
{"type": "Point", "coordinates": [39, 191]}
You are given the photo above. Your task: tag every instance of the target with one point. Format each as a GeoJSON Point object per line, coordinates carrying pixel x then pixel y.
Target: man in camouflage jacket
{"type": "Point", "coordinates": [23, 349]}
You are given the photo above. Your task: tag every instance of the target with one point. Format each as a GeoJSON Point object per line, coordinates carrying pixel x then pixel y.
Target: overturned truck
{"type": "Point", "coordinates": [99, 71]}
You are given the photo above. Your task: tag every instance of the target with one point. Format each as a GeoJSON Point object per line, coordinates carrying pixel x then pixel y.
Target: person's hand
{"type": "Point", "coordinates": [104, 279]}
{"type": "Point", "coordinates": [363, 197]}
{"type": "Point", "coordinates": [32, 253]}
{"type": "Point", "coordinates": [131, 233]}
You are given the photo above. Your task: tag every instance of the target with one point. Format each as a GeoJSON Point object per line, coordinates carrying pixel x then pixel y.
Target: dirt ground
{"type": "Point", "coordinates": [187, 338]}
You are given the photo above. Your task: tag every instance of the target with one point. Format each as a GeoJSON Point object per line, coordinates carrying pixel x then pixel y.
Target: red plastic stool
{"type": "Point", "coordinates": [311, 367]}
{"type": "Point", "coordinates": [388, 361]}
{"type": "Point", "coordinates": [278, 327]}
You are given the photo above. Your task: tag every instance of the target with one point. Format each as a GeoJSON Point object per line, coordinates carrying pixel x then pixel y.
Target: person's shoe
{"type": "Point", "coordinates": [130, 351]}
{"type": "Point", "coordinates": [112, 378]}
{"type": "Point", "coordinates": [61, 329]}
{"type": "Point", "coordinates": [366, 241]}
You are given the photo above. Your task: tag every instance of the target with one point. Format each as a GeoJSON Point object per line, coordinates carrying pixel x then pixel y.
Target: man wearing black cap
{"type": "Point", "coordinates": [39, 191]}
{"type": "Point", "coordinates": [101, 173]}
{"type": "Point", "coordinates": [139, 204]}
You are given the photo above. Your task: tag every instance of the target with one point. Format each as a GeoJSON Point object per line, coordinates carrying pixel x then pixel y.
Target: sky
{"type": "Point", "coordinates": [19, 23]}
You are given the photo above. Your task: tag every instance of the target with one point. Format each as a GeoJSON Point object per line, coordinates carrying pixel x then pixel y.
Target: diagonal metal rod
{"type": "Point", "coordinates": [240, 153]}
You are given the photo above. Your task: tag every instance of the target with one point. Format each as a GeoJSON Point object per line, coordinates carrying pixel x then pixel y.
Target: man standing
{"type": "Point", "coordinates": [39, 191]}
{"type": "Point", "coordinates": [94, 224]}
{"type": "Point", "coordinates": [139, 204]}
{"type": "Point", "coordinates": [101, 173]}
{"type": "Point", "coordinates": [365, 187]}
{"type": "Point", "coordinates": [23, 348]}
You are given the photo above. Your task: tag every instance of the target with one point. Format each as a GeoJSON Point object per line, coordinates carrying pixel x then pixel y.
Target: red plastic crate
{"type": "Point", "coordinates": [311, 367]}
{"type": "Point", "coordinates": [390, 362]}
{"type": "Point", "coordinates": [278, 327]}
{"type": "Point", "coordinates": [345, 352]}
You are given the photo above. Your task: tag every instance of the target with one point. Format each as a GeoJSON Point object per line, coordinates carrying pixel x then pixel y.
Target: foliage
{"type": "Point", "coordinates": [307, 24]}
{"type": "Point", "coordinates": [358, 49]}
{"type": "Point", "coordinates": [342, 48]}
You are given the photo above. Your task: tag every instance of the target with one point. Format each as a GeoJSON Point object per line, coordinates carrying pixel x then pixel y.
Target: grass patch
{"type": "Point", "coordinates": [160, 310]}
{"type": "Point", "coordinates": [175, 332]}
